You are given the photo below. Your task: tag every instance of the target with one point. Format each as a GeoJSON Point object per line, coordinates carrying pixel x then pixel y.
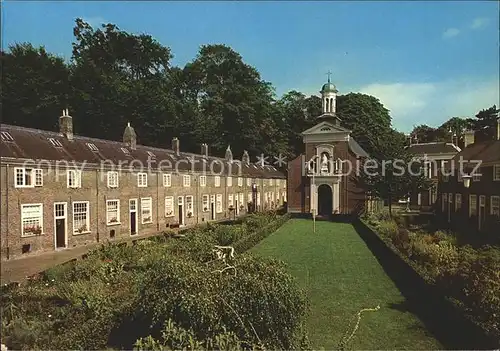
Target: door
{"type": "Point", "coordinates": [180, 203]}
{"type": "Point", "coordinates": [325, 200]}
{"type": "Point", "coordinates": [133, 216]}
{"type": "Point", "coordinates": [482, 211]}
{"type": "Point", "coordinates": [212, 207]}
{"type": "Point", "coordinates": [60, 220]}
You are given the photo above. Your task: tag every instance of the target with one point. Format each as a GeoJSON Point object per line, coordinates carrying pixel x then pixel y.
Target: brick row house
{"type": "Point", "coordinates": [434, 157]}
{"type": "Point", "coordinates": [60, 190]}
{"type": "Point", "coordinates": [469, 200]}
{"type": "Point", "coordinates": [323, 180]}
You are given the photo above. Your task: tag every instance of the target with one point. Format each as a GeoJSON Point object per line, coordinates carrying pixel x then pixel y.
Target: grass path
{"type": "Point", "coordinates": [341, 276]}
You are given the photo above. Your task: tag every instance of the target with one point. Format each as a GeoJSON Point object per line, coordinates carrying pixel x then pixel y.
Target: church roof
{"type": "Point", "coordinates": [433, 148]}
{"type": "Point", "coordinates": [329, 87]}
{"type": "Point", "coordinates": [356, 148]}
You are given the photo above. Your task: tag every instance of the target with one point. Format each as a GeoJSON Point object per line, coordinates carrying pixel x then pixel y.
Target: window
{"type": "Point", "coordinates": [92, 147]}
{"type": "Point", "coordinates": [472, 205]}
{"type": "Point", "coordinates": [125, 151]}
{"type": "Point", "coordinates": [258, 199]}
{"type": "Point", "coordinates": [218, 205]}
{"type": "Point", "coordinates": [74, 178]}
{"type": "Point", "coordinates": [31, 219]}
{"type": "Point", "coordinates": [112, 179]}
{"type": "Point", "coordinates": [38, 177]}
{"type": "Point", "coordinates": [81, 217]}
{"type": "Point", "coordinates": [446, 177]}
{"type": "Point", "coordinates": [203, 180]}
{"type": "Point", "coordinates": [55, 142]}
{"type": "Point", "coordinates": [142, 180]}
{"type": "Point", "coordinates": [240, 181]}
{"type": "Point", "coordinates": [249, 182]}
{"type": "Point", "coordinates": [167, 180]}
{"type": "Point", "coordinates": [229, 181]}
{"type": "Point", "coordinates": [113, 212]}
{"type": "Point", "coordinates": [230, 200]}
{"type": "Point", "coordinates": [250, 198]}
{"type": "Point", "coordinates": [240, 199]}
{"type": "Point", "coordinates": [205, 203]}
{"type": "Point", "coordinates": [6, 136]}
{"type": "Point", "coordinates": [186, 180]}
{"type": "Point", "coordinates": [495, 206]}
{"type": "Point", "coordinates": [496, 172]}
{"type": "Point", "coordinates": [270, 182]}
{"type": "Point", "coordinates": [189, 206]}
{"type": "Point", "coordinates": [217, 181]}
{"type": "Point", "coordinates": [151, 154]}
{"type": "Point", "coordinates": [146, 210]}
{"type": "Point", "coordinates": [278, 181]}
{"type": "Point", "coordinates": [476, 176]}
{"type": "Point", "coordinates": [482, 202]}
{"type": "Point", "coordinates": [169, 206]}
{"type": "Point", "coordinates": [444, 201]}
{"type": "Point", "coordinates": [458, 202]}
{"type": "Point", "coordinates": [28, 177]}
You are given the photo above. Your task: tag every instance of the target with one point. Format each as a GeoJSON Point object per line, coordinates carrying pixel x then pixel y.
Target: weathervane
{"type": "Point", "coordinates": [329, 73]}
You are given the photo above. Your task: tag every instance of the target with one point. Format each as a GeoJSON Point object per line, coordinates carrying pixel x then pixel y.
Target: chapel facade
{"type": "Point", "coordinates": [324, 179]}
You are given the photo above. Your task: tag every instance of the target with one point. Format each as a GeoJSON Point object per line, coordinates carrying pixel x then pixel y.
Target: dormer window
{"type": "Point", "coordinates": [55, 142]}
{"type": "Point", "coordinates": [151, 154]}
{"type": "Point", "coordinates": [125, 151]}
{"type": "Point", "coordinates": [6, 136]}
{"type": "Point", "coordinates": [92, 147]}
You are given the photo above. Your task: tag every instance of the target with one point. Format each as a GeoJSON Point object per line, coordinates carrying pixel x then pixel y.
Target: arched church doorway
{"type": "Point", "coordinates": [325, 200]}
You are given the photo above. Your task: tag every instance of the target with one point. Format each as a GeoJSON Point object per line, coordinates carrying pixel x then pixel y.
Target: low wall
{"type": "Point", "coordinates": [440, 315]}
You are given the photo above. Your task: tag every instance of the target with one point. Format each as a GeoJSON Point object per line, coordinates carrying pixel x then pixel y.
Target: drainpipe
{"type": "Point", "coordinates": [7, 211]}
{"type": "Point", "coordinates": [97, 202]}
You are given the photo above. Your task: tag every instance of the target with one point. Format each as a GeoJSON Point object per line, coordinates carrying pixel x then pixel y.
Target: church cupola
{"type": "Point", "coordinates": [328, 97]}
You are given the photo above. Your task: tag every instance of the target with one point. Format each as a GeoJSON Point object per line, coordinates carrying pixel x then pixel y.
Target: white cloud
{"type": "Point", "coordinates": [479, 22]}
{"type": "Point", "coordinates": [433, 103]}
{"type": "Point", "coordinates": [450, 33]}
{"type": "Point", "coordinates": [95, 22]}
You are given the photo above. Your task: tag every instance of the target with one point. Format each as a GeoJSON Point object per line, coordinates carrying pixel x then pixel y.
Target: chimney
{"type": "Point", "coordinates": [229, 154]}
{"type": "Point", "coordinates": [245, 159]}
{"type": "Point", "coordinates": [468, 138]}
{"type": "Point", "coordinates": [66, 125]}
{"type": "Point", "coordinates": [129, 137]}
{"type": "Point", "coordinates": [176, 146]}
{"type": "Point", "coordinates": [204, 150]}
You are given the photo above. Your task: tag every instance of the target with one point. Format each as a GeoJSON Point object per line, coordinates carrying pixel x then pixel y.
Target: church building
{"type": "Point", "coordinates": [324, 178]}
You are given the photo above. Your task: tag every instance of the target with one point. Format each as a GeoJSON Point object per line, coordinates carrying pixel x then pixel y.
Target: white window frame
{"type": "Point", "coordinates": [497, 207]}
{"type": "Point", "coordinates": [112, 178]}
{"type": "Point", "coordinates": [271, 182]}
{"type": "Point", "coordinates": [186, 180]}
{"type": "Point", "coordinates": [240, 181]}
{"type": "Point", "coordinates": [230, 200]}
{"type": "Point", "coordinates": [55, 142]}
{"type": "Point", "coordinates": [142, 180]}
{"type": "Point", "coordinates": [496, 173]}
{"type": "Point", "coordinates": [143, 218]}
{"type": "Point", "coordinates": [24, 217]}
{"type": "Point", "coordinates": [87, 217]}
{"type": "Point", "coordinates": [205, 202]}
{"type": "Point", "coordinates": [229, 181]}
{"type": "Point", "coordinates": [167, 180]}
{"type": "Point", "coordinates": [250, 197]}
{"type": "Point", "coordinates": [6, 136]}
{"type": "Point", "coordinates": [240, 199]}
{"type": "Point", "coordinates": [217, 181]}
{"type": "Point", "coordinates": [76, 176]}
{"type": "Point", "coordinates": [109, 213]}
{"type": "Point", "coordinates": [169, 212]}
{"type": "Point", "coordinates": [203, 180]}
{"type": "Point", "coordinates": [472, 209]}
{"type": "Point", "coordinates": [249, 182]}
{"type": "Point", "coordinates": [189, 205]}
{"type": "Point", "coordinates": [92, 147]}
{"type": "Point", "coordinates": [27, 171]}
{"type": "Point", "coordinates": [218, 204]}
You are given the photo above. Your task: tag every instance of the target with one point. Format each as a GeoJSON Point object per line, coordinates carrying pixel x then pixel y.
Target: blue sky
{"type": "Point", "coordinates": [426, 61]}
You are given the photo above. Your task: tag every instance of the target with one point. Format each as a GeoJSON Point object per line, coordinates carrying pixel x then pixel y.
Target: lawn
{"type": "Point", "coordinates": [341, 276]}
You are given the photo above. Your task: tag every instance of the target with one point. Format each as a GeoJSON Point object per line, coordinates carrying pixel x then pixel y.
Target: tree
{"type": "Point", "coordinates": [366, 117]}
{"type": "Point", "coordinates": [35, 85]}
{"type": "Point", "coordinates": [392, 173]}
{"type": "Point", "coordinates": [485, 120]}
{"type": "Point", "coordinates": [423, 134]}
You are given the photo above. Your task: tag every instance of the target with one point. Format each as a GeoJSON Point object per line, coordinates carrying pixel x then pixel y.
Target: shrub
{"type": "Point", "coordinates": [388, 229]}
